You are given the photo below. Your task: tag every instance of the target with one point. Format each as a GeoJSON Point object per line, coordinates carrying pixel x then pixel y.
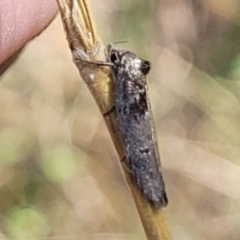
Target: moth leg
{"type": "Point", "coordinates": [98, 63]}
{"type": "Point", "coordinates": [110, 110]}
{"type": "Point", "coordinates": [124, 164]}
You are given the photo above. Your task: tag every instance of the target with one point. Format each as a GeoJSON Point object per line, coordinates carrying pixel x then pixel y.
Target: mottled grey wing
{"type": "Point", "coordinates": [136, 128]}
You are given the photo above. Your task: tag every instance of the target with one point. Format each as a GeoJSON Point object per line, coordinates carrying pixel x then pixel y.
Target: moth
{"type": "Point", "coordinates": [135, 123]}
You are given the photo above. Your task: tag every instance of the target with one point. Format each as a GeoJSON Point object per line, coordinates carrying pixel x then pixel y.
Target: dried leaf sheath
{"type": "Point", "coordinates": [78, 25]}
{"type": "Point", "coordinates": [85, 45]}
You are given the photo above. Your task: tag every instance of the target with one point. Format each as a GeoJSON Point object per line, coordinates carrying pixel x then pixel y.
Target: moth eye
{"type": "Point", "coordinates": [114, 57]}
{"type": "Point", "coordinates": [145, 67]}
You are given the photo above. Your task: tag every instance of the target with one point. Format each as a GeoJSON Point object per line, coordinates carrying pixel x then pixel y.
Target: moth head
{"type": "Point", "coordinates": [127, 60]}
{"type": "Point", "coordinates": [120, 57]}
{"type": "Point", "coordinates": [130, 59]}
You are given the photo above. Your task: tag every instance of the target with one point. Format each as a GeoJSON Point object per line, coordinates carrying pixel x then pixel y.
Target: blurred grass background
{"type": "Point", "coordinates": [60, 177]}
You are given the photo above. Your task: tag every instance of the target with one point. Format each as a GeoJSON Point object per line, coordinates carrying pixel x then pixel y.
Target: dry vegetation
{"type": "Point", "coordinates": [59, 173]}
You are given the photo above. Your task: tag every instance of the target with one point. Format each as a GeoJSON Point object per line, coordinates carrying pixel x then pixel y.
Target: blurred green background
{"type": "Point", "coordinates": [60, 177]}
